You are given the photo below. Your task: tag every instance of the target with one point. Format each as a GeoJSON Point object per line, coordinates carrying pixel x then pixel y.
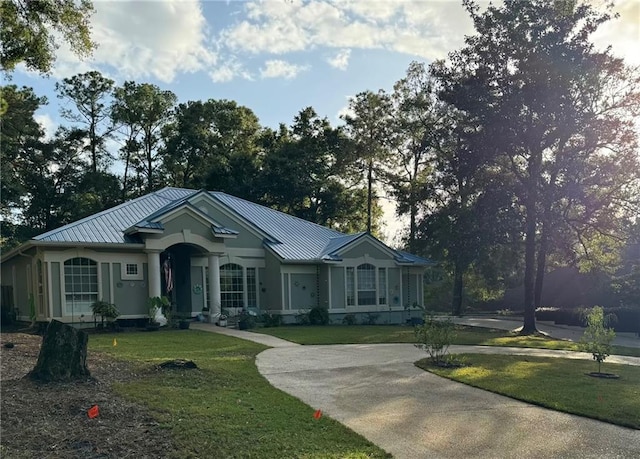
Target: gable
{"type": "Point", "coordinates": [248, 236]}
{"type": "Point", "coordinates": [366, 247]}
{"type": "Point", "coordinates": [187, 220]}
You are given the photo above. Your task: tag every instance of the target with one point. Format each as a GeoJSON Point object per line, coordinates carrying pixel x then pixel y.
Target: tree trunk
{"type": "Point", "coordinates": [542, 261]}
{"type": "Point", "coordinates": [413, 214]}
{"type": "Point", "coordinates": [369, 194]}
{"type": "Point", "coordinates": [529, 326]}
{"type": "Point", "coordinates": [63, 354]}
{"type": "Point", "coordinates": [456, 304]}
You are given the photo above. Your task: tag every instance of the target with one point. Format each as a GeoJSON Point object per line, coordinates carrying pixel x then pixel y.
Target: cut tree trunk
{"type": "Point", "coordinates": [63, 354]}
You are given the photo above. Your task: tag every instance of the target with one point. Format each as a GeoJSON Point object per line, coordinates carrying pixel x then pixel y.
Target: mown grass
{"type": "Point", "coordinates": [559, 384]}
{"type": "Point", "coordinates": [225, 408]}
{"type": "Point", "coordinates": [377, 334]}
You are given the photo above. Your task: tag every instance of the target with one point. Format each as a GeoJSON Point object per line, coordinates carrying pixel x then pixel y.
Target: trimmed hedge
{"type": "Point", "coordinates": [626, 319]}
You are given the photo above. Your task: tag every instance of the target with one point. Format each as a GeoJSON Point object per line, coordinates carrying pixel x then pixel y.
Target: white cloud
{"type": "Point", "coordinates": [228, 70]}
{"type": "Point", "coordinates": [278, 68]}
{"type": "Point", "coordinates": [623, 33]}
{"type": "Point", "coordinates": [144, 39]}
{"type": "Point", "coordinates": [345, 110]}
{"type": "Point", "coordinates": [340, 60]}
{"type": "Point", "coordinates": [48, 125]}
{"type": "Point", "coordinates": [415, 27]}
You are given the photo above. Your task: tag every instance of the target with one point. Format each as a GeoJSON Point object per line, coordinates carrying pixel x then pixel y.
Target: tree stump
{"type": "Point", "coordinates": [63, 354]}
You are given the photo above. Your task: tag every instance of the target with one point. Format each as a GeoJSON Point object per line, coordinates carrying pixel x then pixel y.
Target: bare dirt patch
{"type": "Point", "coordinates": [50, 420]}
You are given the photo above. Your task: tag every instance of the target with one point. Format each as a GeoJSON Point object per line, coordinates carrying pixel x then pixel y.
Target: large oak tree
{"type": "Point", "coordinates": [554, 113]}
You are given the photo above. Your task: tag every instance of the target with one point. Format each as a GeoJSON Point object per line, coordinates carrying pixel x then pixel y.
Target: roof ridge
{"type": "Point", "coordinates": [338, 233]}
{"type": "Point", "coordinates": [103, 212]}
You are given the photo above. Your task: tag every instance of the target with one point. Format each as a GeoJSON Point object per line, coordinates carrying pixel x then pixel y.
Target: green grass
{"type": "Point", "coordinates": [376, 334]}
{"type": "Point", "coordinates": [559, 384]}
{"type": "Point", "coordinates": [225, 408]}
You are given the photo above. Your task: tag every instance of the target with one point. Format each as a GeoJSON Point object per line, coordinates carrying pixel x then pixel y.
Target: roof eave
{"type": "Point", "coordinates": [34, 243]}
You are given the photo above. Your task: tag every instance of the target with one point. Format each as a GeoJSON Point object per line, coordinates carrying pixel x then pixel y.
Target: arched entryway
{"type": "Point", "coordinates": [175, 280]}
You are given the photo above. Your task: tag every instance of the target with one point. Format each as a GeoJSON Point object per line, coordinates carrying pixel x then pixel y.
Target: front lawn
{"type": "Point", "coordinates": [559, 384]}
{"type": "Point", "coordinates": [375, 334]}
{"type": "Point", "coordinates": [225, 408]}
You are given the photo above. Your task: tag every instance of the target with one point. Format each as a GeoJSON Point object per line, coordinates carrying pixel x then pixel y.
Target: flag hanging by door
{"type": "Point", "coordinates": [168, 275]}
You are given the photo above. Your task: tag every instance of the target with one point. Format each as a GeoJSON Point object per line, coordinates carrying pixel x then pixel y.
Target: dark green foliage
{"type": "Point", "coordinates": [31, 31]}
{"type": "Point", "coordinates": [270, 319]}
{"type": "Point", "coordinates": [63, 354]}
{"type": "Point", "coordinates": [543, 105]}
{"type": "Point", "coordinates": [435, 336]}
{"type": "Point", "coordinates": [105, 311]}
{"type": "Point", "coordinates": [349, 319]}
{"type": "Point", "coordinates": [370, 319]}
{"type": "Point", "coordinates": [20, 134]}
{"type": "Point", "coordinates": [302, 318]}
{"type": "Point", "coordinates": [246, 321]}
{"type": "Point", "coordinates": [598, 336]}
{"type": "Point", "coordinates": [143, 109]}
{"type": "Point", "coordinates": [213, 145]}
{"type": "Point", "coordinates": [623, 319]}
{"type": "Point", "coordinates": [319, 316]}
{"type": "Point", "coordinates": [305, 173]}
{"type": "Point", "coordinates": [90, 94]}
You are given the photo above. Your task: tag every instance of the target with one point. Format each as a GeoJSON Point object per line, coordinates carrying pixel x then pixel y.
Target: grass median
{"type": "Point", "coordinates": [559, 384]}
{"type": "Point", "coordinates": [225, 408]}
{"type": "Point", "coordinates": [377, 334]}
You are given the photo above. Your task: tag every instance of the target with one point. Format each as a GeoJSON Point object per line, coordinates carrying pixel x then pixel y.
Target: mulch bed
{"type": "Point", "coordinates": [50, 420]}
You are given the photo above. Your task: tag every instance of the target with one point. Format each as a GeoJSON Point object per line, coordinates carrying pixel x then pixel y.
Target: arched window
{"type": "Point", "coordinates": [80, 286]}
{"type": "Point", "coordinates": [366, 285]}
{"type": "Point", "coordinates": [231, 286]}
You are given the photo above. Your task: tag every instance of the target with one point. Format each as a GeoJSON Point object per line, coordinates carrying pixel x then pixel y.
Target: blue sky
{"type": "Point", "coordinates": [279, 56]}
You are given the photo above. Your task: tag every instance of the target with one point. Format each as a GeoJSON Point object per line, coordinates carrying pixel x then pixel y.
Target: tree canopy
{"type": "Point", "coordinates": [31, 31]}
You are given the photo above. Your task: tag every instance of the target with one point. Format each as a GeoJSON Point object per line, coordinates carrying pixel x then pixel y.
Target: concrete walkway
{"type": "Point", "coordinates": [377, 391]}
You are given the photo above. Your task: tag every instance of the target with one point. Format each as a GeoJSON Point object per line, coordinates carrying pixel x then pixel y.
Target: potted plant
{"type": "Point", "coordinates": [184, 323]}
{"type": "Point", "coordinates": [222, 320]}
{"type": "Point", "coordinates": [155, 304]}
{"type": "Point", "coordinates": [246, 320]}
{"type": "Point", "coordinates": [105, 311]}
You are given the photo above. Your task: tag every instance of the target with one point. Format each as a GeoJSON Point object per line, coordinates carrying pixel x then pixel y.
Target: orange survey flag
{"type": "Point", "coordinates": [317, 414]}
{"type": "Point", "coordinates": [93, 412]}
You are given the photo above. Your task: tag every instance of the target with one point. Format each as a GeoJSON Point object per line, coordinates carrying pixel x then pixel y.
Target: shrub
{"type": "Point", "coordinates": [105, 311]}
{"type": "Point", "coordinates": [302, 318]}
{"type": "Point", "coordinates": [349, 319]}
{"type": "Point", "coordinates": [435, 337]}
{"type": "Point", "coordinates": [597, 337]}
{"type": "Point", "coordinates": [271, 320]}
{"type": "Point", "coordinates": [546, 314]}
{"type": "Point", "coordinates": [371, 319]}
{"type": "Point", "coordinates": [319, 316]}
{"type": "Point", "coordinates": [246, 320]}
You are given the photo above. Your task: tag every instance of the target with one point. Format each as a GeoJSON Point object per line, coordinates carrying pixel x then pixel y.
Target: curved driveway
{"type": "Point", "coordinates": [378, 392]}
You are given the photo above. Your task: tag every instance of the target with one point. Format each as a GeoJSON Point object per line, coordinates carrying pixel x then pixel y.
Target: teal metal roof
{"type": "Point", "coordinates": [291, 238]}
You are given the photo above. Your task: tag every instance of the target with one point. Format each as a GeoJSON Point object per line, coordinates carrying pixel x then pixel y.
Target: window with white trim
{"type": "Point", "coordinates": [382, 285]}
{"type": "Point", "coordinates": [351, 299]}
{"type": "Point", "coordinates": [366, 285]}
{"type": "Point", "coordinates": [131, 271]}
{"type": "Point", "coordinates": [252, 295]}
{"type": "Point", "coordinates": [80, 285]}
{"type": "Point", "coordinates": [231, 286]}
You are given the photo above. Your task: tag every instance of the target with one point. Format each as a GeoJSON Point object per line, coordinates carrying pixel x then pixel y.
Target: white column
{"type": "Point", "coordinates": [155, 289]}
{"type": "Point", "coordinates": [214, 287]}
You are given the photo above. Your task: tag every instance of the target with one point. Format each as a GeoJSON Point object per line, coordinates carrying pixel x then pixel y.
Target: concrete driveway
{"type": "Point", "coordinates": [376, 391]}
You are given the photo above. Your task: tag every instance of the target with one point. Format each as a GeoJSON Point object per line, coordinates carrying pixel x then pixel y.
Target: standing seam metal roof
{"type": "Point", "coordinates": [291, 238]}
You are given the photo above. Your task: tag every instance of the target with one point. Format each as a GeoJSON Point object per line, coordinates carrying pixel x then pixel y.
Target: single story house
{"type": "Point", "coordinates": [207, 251]}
